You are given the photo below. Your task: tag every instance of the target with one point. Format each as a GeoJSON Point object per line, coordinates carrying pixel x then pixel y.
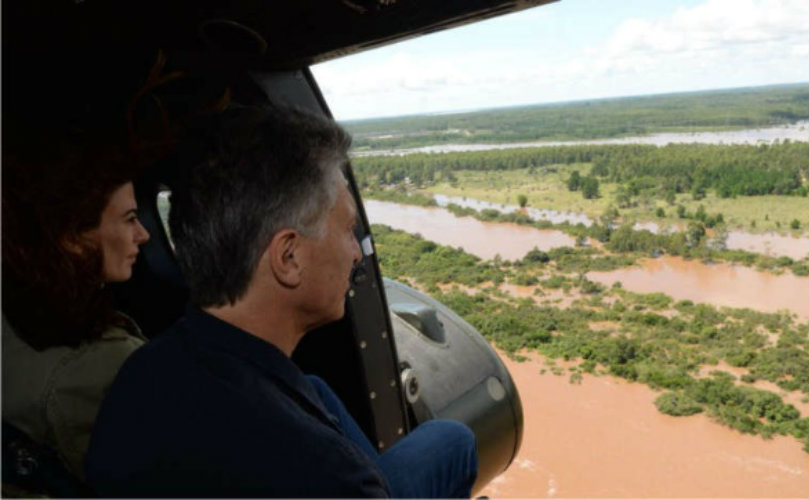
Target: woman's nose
{"type": "Point", "coordinates": [142, 235]}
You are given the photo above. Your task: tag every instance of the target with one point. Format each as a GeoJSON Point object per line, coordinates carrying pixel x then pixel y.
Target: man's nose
{"type": "Point", "coordinates": [357, 252]}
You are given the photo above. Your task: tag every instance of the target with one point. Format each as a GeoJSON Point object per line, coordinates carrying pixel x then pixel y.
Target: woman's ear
{"type": "Point", "coordinates": [284, 257]}
{"type": "Point", "coordinates": [76, 244]}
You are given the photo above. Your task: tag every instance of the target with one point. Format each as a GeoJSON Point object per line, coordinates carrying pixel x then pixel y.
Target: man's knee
{"type": "Point", "coordinates": [451, 431]}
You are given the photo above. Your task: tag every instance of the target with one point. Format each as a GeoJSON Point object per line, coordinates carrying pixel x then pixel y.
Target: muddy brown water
{"type": "Point", "coordinates": [604, 438]}
{"type": "Point", "coordinates": [484, 239]}
{"type": "Point", "coordinates": [770, 243]}
{"type": "Point", "coordinates": [720, 284]}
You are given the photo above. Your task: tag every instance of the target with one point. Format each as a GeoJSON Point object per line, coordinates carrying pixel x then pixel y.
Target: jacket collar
{"type": "Point", "coordinates": [208, 330]}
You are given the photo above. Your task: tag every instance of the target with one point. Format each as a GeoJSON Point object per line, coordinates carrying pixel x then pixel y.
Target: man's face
{"type": "Point", "coordinates": [329, 261]}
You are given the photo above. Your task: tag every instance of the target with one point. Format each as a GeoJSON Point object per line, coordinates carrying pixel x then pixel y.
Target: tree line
{"type": "Point", "coordinates": [729, 170]}
{"type": "Point", "coordinates": [629, 116]}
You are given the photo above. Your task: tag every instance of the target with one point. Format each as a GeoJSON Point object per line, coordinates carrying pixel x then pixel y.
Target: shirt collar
{"type": "Point", "coordinates": [204, 328]}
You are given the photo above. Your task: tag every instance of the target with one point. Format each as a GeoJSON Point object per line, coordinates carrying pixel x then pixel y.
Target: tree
{"type": "Point", "coordinates": [622, 197]}
{"type": "Point", "coordinates": [795, 224]}
{"type": "Point", "coordinates": [660, 212]}
{"type": "Point", "coordinates": [694, 233]}
{"type": "Point", "coordinates": [522, 200]}
{"type": "Point", "coordinates": [574, 181]}
{"type": "Point", "coordinates": [701, 214]}
{"type": "Point", "coordinates": [589, 188]}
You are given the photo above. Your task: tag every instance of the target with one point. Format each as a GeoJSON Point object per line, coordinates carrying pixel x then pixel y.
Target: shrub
{"type": "Point", "coordinates": [522, 200]}
{"type": "Point", "coordinates": [677, 404]}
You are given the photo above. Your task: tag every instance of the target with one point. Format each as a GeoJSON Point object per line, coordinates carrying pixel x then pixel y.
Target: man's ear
{"type": "Point", "coordinates": [284, 257]}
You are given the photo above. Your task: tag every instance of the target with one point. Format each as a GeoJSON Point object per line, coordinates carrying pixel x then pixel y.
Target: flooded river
{"type": "Point", "coordinates": [604, 438]}
{"type": "Point", "coordinates": [794, 132]}
{"type": "Point", "coordinates": [721, 284]}
{"type": "Point", "coordinates": [768, 243]}
{"type": "Point", "coordinates": [484, 239]}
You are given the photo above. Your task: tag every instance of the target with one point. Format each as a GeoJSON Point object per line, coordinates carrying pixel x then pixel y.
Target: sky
{"type": "Point", "coordinates": [575, 50]}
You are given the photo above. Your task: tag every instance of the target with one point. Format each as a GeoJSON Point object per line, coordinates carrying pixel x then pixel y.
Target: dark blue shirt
{"type": "Point", "coordinates": [209, 410]}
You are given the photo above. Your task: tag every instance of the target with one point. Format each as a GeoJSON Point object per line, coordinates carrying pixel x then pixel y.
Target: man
{"type": "Point", "coordinates": [262, 221]}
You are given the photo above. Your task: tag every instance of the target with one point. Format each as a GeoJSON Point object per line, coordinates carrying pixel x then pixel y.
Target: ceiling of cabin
{"type": "Point", "coordinates": [291, 33]}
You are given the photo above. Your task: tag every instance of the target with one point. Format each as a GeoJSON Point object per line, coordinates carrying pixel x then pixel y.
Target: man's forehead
{"type": "Point", "coordinates": [349, 199]}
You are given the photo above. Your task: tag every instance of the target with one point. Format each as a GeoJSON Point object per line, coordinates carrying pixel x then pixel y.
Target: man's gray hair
{"type": "Point", "coordinates": [244, 175]}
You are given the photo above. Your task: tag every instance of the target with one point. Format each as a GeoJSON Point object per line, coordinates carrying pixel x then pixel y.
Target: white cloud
{"type": "Point", "coordinates": [725, 32]}
{"type": "Point", "coordinates": [718, 43]}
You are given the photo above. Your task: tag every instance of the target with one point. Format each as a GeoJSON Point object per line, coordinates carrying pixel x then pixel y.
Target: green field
{"type": "Point", "coordinates": [549, 191]}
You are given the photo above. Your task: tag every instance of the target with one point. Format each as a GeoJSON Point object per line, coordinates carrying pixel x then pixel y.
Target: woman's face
{"type": "Point", "coordinates": [119, 234]}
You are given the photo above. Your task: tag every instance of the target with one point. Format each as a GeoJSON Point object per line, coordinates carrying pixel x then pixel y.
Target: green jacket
{"type": "Point", "coordinates": [54, 395]}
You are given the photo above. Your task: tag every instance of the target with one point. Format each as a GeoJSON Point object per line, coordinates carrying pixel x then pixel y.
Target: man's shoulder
{"type": "Point", "coordinates": [178, 372]}
{"type": "Point", "coordinates": [195, 419]}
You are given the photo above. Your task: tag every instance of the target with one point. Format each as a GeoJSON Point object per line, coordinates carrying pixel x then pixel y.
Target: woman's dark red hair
{"type": "Point", "coordinates": [58, 175]}
{"type": "Point", "coordinates": [53, 192]}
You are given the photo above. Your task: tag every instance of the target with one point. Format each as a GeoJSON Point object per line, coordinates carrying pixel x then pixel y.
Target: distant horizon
{"type": "Point", "coordinates": [574, 50]}
{"type": "Point", "coordinates": [567, 102]}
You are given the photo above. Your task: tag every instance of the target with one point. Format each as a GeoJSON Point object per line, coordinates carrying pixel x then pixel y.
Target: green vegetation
{"type": "Point", "coordinates": [718, 185]}
{"type": "Point", "coordinates": [686, 112]}
{"type": "Point", "coordinates": [694, 192]}
{"type": "Point", "coordinates": [727, 170]}
{"type": "Point", "coordinates": [522, 200]}
{"type": "Point", "coordinates": [647, 338]}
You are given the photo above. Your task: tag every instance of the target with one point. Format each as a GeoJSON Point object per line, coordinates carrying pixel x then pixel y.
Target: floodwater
{"type": "Point", "coordinates": [605, 438]}
{"type": "Point", "coordinates": [720, 284]}
{"type": "Point", "coordinates": [794, 132]}
{"type": "Point", "coordinates": [484, 239]}
{"type": "Point", "coordinates": [768, 243]}
{"type": "Point", "coordinates": [555, 216]}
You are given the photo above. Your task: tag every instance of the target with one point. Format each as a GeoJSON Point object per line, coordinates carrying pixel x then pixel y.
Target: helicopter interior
{"type": "Point", "coordinates": [258, 51]}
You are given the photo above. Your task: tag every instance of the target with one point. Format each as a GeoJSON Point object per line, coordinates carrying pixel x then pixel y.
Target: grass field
{"type": "Point", "coordinates": [548, 189]}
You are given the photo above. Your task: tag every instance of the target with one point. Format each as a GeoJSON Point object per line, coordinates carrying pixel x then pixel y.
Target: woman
{"type": "Point", "coordinates": [69, 227]}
